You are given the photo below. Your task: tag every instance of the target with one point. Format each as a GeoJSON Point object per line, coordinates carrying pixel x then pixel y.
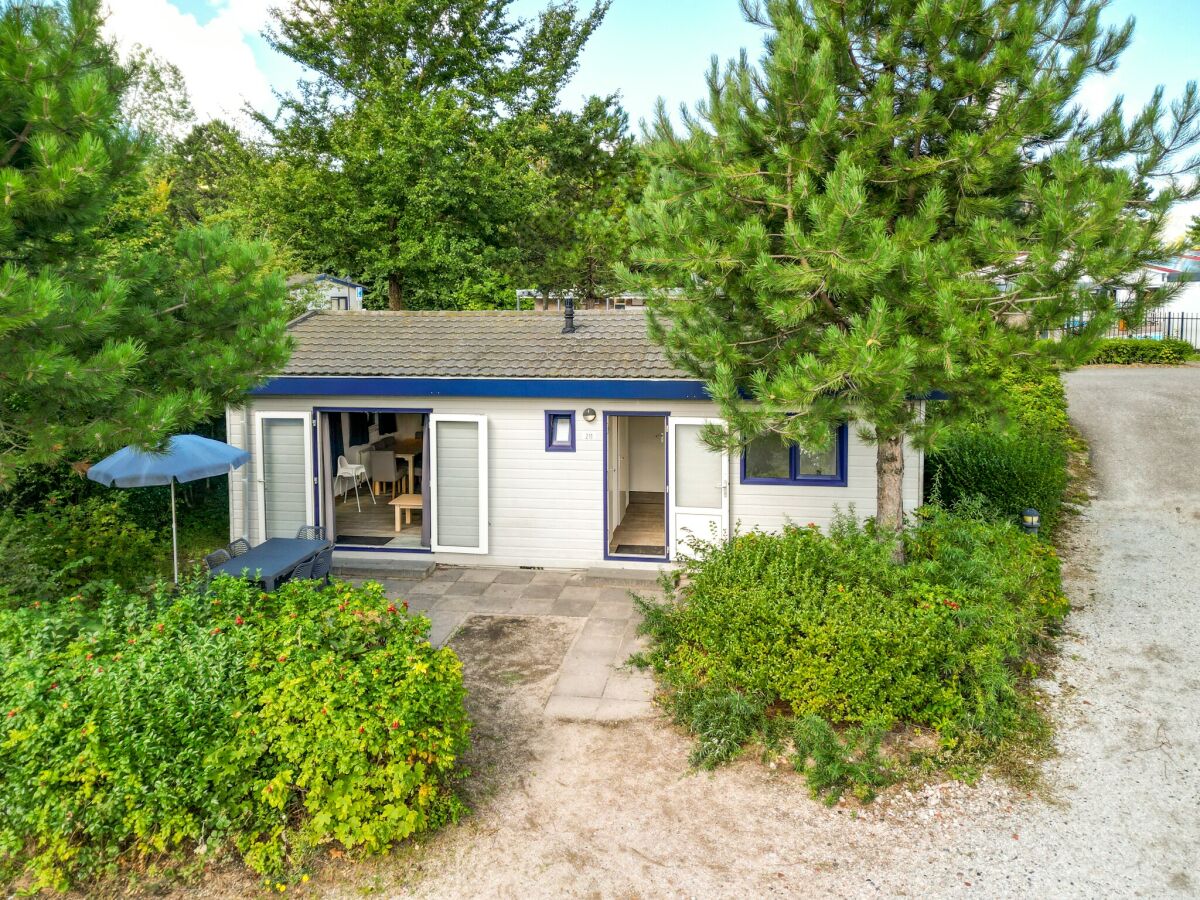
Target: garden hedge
{"type": "Point", "coordinates": [141, 735]}
{"type": "Point", "coordinates": [1143, 351]}
{"type": "Point", "coordinates": [1009, 473]}
{"type": "Point", "coordinates": [1010, 465]}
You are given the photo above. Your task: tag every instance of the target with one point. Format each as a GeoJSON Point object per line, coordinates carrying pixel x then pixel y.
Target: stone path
{"type": "Point", "coordinates": [593, 684]}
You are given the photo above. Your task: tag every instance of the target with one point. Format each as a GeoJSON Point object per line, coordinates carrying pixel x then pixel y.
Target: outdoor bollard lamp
{"type": "Point", "coordinates": [1030, 521]}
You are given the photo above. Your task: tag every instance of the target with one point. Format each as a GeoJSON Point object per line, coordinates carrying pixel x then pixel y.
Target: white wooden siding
{"type": "Point", "coordinates": [547, 509]}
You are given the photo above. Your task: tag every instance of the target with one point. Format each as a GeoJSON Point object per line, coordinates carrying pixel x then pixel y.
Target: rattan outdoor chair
{"type": "Point", "coordinates": [215, 558]}
{"type": "Point", "coordinates": [323, 565]}
{"type": "Point", "coordinates": [304, 570]}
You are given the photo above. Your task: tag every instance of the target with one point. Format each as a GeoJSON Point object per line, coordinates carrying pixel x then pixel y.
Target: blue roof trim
{"type": "Point", "coordinates": [549, 388]}
{"type": "Point", "coordinates": [344, 282]}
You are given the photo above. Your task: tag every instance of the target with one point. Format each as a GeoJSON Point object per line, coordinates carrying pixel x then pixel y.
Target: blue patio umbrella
{"type": "Point", "coordinates": [185, 458]}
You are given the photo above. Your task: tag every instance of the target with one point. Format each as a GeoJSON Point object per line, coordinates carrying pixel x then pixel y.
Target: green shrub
{"type": "Point", "coordinates": [151, 734]}
{"type": "Point", "coordinates": [1012, 464]}
{"type": "Point", "coordinates": [722, 720]}
{"type": "Point", "coordinates": [827, 626]}
{"type": "Point", "coordinates": [833, 763]}
{"type": "Point", "coordinates": [62, 548]}
{"type": "Point", "coordinates": [1007, 472]}
{"type": "Point", "coordinates": [1036, 404]}
{"type": "Point", "coordinates": [1128, 351]}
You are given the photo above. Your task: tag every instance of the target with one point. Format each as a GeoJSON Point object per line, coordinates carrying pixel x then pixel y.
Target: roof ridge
{"type": "Point", "coordinates": [438, 313]}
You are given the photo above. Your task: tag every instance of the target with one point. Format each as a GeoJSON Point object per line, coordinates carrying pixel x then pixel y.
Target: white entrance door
{"type": "Point", "coordinates": [458, 483]}
{"type": "Point", "coordinates": [618, 470]}
{"type": "Point", "coordinates": [699, 486]}
{"type": "Point", "coordinates": [285, 494]}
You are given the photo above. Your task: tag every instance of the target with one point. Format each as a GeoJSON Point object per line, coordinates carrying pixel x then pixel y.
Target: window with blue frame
{"type": "Point", "coordinates": [770, 460]}
{"type": "Point", "coordinates": [560, 430]}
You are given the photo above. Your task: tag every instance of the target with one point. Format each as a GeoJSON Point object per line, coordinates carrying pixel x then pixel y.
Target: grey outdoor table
{"type": "Point", "coordinates": [271, 560]}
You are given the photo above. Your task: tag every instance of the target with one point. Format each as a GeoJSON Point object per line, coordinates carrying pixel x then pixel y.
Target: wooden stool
{"type": "Point", "coordinates": [406, 502]}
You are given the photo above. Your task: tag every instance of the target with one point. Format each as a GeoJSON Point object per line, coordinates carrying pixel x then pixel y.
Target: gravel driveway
{"type": "Point", "coordinates": [566, 808]}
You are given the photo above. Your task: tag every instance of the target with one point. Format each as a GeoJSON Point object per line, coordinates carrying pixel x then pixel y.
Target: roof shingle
{"type": "Point", "coordinates": [487, 344]}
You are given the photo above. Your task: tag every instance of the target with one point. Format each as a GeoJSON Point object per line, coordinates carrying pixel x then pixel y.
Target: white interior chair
{"type": "Point", "coordinates": [356, 473]}
{"type": "Point", "coordinates": [382, 469]}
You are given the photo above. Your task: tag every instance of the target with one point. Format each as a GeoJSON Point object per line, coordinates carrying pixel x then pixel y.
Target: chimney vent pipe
{"type": "Point", "coordinates": [569, 316]}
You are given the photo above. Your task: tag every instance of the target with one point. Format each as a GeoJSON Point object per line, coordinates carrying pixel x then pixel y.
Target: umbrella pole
{"type": "Point", "coordinates": [174, 534]}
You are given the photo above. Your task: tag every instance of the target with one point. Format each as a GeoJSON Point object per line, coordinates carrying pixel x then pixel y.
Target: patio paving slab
{"type": "Point", "coordinates": [515, 576]}
{"type": "Point", "coordinates": [503, 590]}
{"type": "Point", "coordinates": [580, 608]}
{"type": "Point", "coordinates": [580, 708]}
{"type": "Point", "coordinates": [542, 591]}
{"type": "Point", "coordinates": [557, 578]}
{"type": "Point", "coordinates": [525, 606]}
{"type": "Point", "coordinates": [463, 588]}
{"type": "Point", "coordinates": [487, 576]}
{"type": "Point", "coordinates": [592, 681]}
{"type": "Point", "coordinates": [423, 588]}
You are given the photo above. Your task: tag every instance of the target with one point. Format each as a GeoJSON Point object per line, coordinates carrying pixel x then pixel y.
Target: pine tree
{"type": "Point", "coordinates": [900, 199]}
{"type": "Point", "coordinates": [1193, 232]}
{"type": "Point", "coordinates": [113, 329]}
{"type": "Point", "coordinates": [408, 161]}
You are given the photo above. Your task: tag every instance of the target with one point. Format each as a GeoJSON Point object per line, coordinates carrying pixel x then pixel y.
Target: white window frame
{"type": "Point", "coordinates": [305, 418]}
{"type": "Point", "coordinates": [431, 480]}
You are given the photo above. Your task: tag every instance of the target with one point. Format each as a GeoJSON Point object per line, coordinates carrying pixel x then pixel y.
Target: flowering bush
{"type": "Point", "coordinates": [150, 734]}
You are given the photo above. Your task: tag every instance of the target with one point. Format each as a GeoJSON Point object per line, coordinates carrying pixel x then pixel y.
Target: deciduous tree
{"type": "Point", "coordinates": [406, 160]}
{"type": "Point", "coordinates": [580, 232]}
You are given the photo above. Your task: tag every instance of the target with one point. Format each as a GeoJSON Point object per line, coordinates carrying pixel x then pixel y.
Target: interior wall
{"type": "Point", "coordinates": [407, 425]}
{"type": "Point", "coordinates": [647, 457]}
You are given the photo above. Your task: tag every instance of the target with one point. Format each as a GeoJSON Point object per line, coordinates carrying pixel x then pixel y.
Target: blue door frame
{"type": "Point", "coordinates": [319, 479]}
{"type": "Point", "coordinates": [666, 417]}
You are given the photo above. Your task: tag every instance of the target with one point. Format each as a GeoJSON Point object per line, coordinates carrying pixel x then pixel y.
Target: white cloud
{"type": "Point", "coordinates": [215, 58]}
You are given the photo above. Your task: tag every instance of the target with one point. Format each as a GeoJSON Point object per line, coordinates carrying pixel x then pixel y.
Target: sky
{"type": "Point", "coordinates": [645, 49]}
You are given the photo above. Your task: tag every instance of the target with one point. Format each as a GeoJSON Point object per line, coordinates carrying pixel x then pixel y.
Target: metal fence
{"type": "Point", "coordinates": [1161, 325]}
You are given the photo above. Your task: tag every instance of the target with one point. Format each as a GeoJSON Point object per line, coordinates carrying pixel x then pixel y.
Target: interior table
{"type": "Point", "coordinates": [272, 560]}
{"type": "Point", "coordinates": [407, 503]}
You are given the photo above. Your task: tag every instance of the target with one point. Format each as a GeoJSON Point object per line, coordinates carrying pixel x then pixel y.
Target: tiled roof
{"type": "Point", "coordinates": [492, 344]}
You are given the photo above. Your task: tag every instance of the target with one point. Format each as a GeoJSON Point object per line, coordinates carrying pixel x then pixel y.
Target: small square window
{"type": "Point", "coordinates": [560, 430]}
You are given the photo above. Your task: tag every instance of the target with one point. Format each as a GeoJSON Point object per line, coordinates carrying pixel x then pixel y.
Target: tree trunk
{"type": "Point", "coordinates": [395, 291]}
{"type": "Point", "coordinates": [889, 488]}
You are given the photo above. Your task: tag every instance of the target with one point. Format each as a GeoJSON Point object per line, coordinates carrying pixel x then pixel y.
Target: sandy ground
{"type": "Point", "coordinates": [575, 809]}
